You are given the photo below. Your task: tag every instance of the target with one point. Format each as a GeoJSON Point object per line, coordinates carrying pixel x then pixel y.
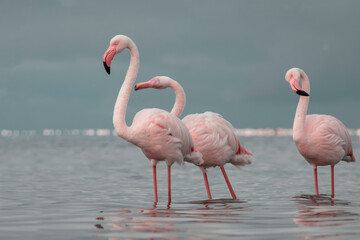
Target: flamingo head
{"type": "Point", "coordinates": [158, 82]}
{"type": "Point", "coordinates": [293, 76]}
{"type": "Point", "coordinates": [117, 45]}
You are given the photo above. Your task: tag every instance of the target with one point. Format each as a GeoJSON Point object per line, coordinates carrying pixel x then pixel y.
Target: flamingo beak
{"type": "Point", "coordinates": [108, 57]}
{"type": "Point", "coordinates": [107, 68]}
{"type": "Point", "coordinates": [142, 85]}
{"type": "Point", "coordinates": [296, 88]}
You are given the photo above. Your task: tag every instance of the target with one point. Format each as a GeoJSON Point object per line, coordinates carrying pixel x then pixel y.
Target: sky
{"type": "Point", "coordinates": [230, 57]}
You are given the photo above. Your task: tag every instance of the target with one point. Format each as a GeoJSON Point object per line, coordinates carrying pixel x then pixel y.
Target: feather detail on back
{"type": "Point", "coordinates": [328, 141]}
{"type": "Point", "coordinates": [214, 137]}
{"type": "Point", "coordinates": [164, 138]}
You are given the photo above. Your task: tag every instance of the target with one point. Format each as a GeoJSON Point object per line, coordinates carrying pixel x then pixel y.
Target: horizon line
{"type": "Point", "coordinates": [92, 132]}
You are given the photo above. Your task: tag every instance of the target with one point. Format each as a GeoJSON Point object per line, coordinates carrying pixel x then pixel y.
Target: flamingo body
{"type": "Point", "coordinates": [163, 137]}
{"type": "Point", "coordinates": [327, 141]}
{"type": "Point", "coordinates": [215, 138]}
{"type": "Point", "coordinates": [321, 139]}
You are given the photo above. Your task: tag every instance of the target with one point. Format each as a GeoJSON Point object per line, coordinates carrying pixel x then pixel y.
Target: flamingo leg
{"type": "Point", "coordinates": [332, 182]}
{"type": "Point", "coordinates": [169, 184]}
{"type": "Point", "coordinates": [316, 181]}
{"type": "Point", "coordinates": [207, 185]}
{"type": "Point", "coordinates": [228, 182]}
{"type": "Point", "coordinates": [155, 183]}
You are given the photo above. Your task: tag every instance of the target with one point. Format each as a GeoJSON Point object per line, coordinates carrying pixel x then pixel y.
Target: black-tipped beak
{"type": "Point", "coordinates": [107, 68]}
{"type": "Point", "coordinates": [302, 93]}
{"type": "Point", "coordinates": [136, 88]}
{"type": "Point", "coordinates": [297, 89]}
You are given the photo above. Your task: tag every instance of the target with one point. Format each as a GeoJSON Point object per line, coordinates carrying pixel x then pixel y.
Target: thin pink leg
{"type": "Point", "coordinates": [207, 185]}
{"type": "Point", "coordinates": [332, 182]}
{"type": "Point", "coordinates": [228, 182]}
{"type": "Point", "coordinates": [316, 181]}
{"type": "Point", "coordinates": [169, 184]}
{"type": "Point", "coordinates": [155, 183]}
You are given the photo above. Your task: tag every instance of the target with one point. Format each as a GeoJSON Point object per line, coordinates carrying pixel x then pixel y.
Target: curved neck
{"type": "Point", "coordinates": [180, 99]}
{"type": "Point", "coordinates": [124, 94]}
{"type": "Point", "coordinates": [301, 110]}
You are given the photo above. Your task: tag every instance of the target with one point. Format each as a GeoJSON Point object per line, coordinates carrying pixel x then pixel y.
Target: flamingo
{"type": "Point", "coordinates": [321, 139]}
{"type": "Point", "coordinates": [160, 134]}
{"type": "Point", "coordinates": [213, 136]}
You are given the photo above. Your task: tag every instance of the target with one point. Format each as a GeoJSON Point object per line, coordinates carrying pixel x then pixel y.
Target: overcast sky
{"type": "Point", "coordinates": [230, 57]}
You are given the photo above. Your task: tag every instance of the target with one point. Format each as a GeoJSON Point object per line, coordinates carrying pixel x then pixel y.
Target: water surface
{"type": "Point", "coordinates": [76, 187]}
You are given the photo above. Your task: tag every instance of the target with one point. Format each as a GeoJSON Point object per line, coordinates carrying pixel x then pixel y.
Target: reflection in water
{"type": "Point", "coordinates": [319, 200]}
{"type": "Point", "coordinates": [322, 211]}
{"type": "Point", "coordinates": [176, 222]}
{"type": "Point", "coordinates": [222, 201]}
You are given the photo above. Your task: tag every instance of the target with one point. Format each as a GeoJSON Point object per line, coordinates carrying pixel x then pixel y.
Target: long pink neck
{"type": "Point", "coordinates": [301, 110]}
{"type": "Point", "coordinates": [180, 99]}
{"type": "Point", "coordinates": [124, 94]}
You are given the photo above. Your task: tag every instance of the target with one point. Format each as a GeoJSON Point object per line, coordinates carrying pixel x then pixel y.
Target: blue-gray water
{"type": "Point", "coordinates": [73, 187]}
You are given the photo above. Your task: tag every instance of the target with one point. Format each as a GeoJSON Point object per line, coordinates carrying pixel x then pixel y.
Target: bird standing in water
{"type": "Point", "coordinates": [321, 139]}
{"type": "Point", "coordinates": [213, 136]}
{"type": "Point", "coordinates": [160, 134]}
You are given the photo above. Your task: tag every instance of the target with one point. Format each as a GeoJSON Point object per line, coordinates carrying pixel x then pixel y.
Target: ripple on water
{"type": "Point", "coordinates": [101, 188]}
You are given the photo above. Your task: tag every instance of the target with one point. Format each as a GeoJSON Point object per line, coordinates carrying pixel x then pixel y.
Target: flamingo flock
{"type": "Point", "coordinates": [213, 136]}
{"type": "Point", "coordinates": [207, 139]}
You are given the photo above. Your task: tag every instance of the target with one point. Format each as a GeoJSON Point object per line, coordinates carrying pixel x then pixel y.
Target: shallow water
{"type": "Point", "coordinates": [101, 188]}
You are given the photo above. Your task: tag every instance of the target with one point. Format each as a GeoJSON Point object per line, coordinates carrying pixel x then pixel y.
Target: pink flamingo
{"type": "Point", "coordinates": [321, 139]}
{"type": "Point", "coordinates": [213, 136]}
{"type": "Point", "coordinates": [160, 135]}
